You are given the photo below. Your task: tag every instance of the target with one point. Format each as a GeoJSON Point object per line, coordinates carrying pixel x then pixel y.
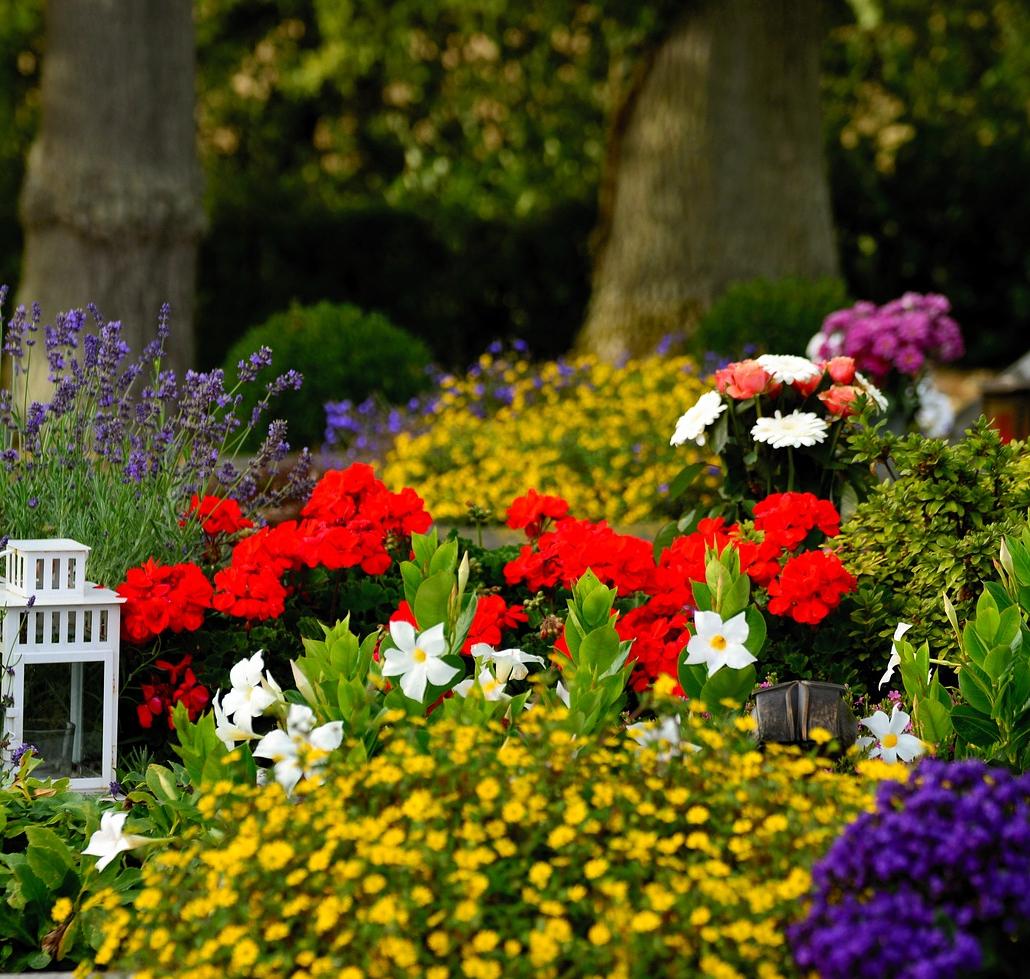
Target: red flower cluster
{"type": "Point", "coordinates": [351, 520]}
{"type": "Point", "coordinates": [160, 597]}
{"type": "Point", "coordinates": [217, 515]}
{"type": "Point", "coordinates": [810, 586]}
{"type": "Point", "coordinates": [534, 511]}
{"type": "Point", "coordinates": [783, 523]}
{"type": "Point", "coordinates": [788, 518]}
{"type": "Point", "coordinates": [562, 555]}
{"type": "Point", "coordinates": [180, 687]}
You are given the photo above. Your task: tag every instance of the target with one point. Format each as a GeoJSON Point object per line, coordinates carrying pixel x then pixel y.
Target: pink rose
{"type": "Point", "coordinates": [841, 369]}
{"type": "Point", "coordinates": [840, 400]}
{"type": "Point", "coordinates": [745, 379]}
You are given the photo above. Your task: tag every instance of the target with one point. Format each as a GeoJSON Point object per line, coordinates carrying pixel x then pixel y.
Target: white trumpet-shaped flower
{"type": "Point", "coordinates": [719, 643]}
{"type": "Point", "coordinates": [895, 658]}
{"type": "Point", "coordinates": [228, 731]}
{"type": "Point", "coordinates": [417, 659]}
{"type": "Point", "coordinates": [509, 664]}
{"type": "Point", "coordinates": [889, 740]}
{"type": "Point", "coordinates": [301, 750]}
{"type": "Point", "coordinates": [252, 692]}
{"type": "Point", "coordinates": [490, 686]}
{"type": "Point", "coordinates": [111, 839]}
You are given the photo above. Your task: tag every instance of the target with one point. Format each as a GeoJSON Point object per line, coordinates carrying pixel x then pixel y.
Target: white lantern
{"type": "Point", "coordinates": [59, 690]}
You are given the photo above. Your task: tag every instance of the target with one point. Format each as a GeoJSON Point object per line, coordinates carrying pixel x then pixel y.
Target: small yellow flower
{"type": "Point", "coordinates": [599, 934]}
{"type": "Point", "coordinates": [61, 910]}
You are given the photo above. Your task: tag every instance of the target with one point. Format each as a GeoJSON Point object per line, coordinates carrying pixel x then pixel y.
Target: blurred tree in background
{"type": "Point", "coordinates": [441, 160]}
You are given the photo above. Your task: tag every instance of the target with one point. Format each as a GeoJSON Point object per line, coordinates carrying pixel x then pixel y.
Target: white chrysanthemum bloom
{"type": "Point", "coordinates": [833, 343]}
{"type": "Point", "coordinates": [302, 748]}
{"type": "Point", "coordinates": [790, 431]}
{"type": "Point", "coordinates": [110, 840]}
{"type": "Point", "coordinates": [691, 425]}
{"type": "Point", "coordinates": [251, 694]}
{"type": "Point", "coordinates": [490, 686]}
{"type": "Point", "coordinates": [867, 387]}
{"type": "Point", "coordinates": [717, 643]}
{"type": "Point", "coordinates": [417, 659]}
{"type": "Point", "coordinates": [509, 664]}
{"type": "Point", "coordinates": [889, 740]}
{"type": "Point", "coordinates": [787, 368]}
{"type": "Point", "coordinates": [895, 659]}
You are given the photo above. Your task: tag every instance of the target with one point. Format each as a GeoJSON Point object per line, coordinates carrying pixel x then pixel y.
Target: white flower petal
{"type": "Point", "coordinates": [909, 747]}
{"type": "Point", "coordinates": [397, 662]}
{"type": "Point", "coordinates": [432, 641]}
{"type": "Point", "coordinates": [736, 630]}
{"type": "Point", "coordinates": [879, 724]}
{"type": "Point", "coordinates": [328, 736]}
{"type": "Point", "coordinates": [787, 368]}
{"type": "Point", "coordinates": [737, 657]}
{"type": "Point", "coordinates": [899, 721]}
{"type": "Point", "coordinates": [276, 745]}
{"type": "Point", "coordinates": [413, 683]}
{"type": "Point", "coordinates": [403, 635]}
{"type": "Point", "coordinates": [439, 672]}
{"type": "Point", "coordinates": [691, 425]}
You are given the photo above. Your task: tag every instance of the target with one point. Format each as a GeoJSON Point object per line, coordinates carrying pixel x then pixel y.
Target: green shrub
{"type": "Point", "coordinates": [932, 530]}
{"type": "Point", "coordinates": [461, 851]}
{"type": "Point", "coordinates": [778, 315]}
{"type": "Point", "coordinates": [343, 352]}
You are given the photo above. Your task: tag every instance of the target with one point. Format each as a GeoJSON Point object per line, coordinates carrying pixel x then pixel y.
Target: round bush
{"type": "Point", "coordinates": [775, 316]}
{"type": "Point", "coordinates": [342, 351]}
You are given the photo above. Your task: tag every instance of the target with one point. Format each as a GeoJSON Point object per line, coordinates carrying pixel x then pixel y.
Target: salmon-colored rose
{"type": "Point", "coordinates": [745, 379]}
{"type": "Point", "coordinates": [841, 369]}
{"type": "Point", "coordinates": [840, 400]}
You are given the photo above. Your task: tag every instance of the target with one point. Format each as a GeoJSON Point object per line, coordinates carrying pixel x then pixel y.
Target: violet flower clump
{"type": "Point", "coordinates": [934, 883]}
{"type": "Point", "coordinates": [902, 335]}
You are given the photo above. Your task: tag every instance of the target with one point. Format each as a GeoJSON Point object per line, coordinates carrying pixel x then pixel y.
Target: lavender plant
{"type": "Point", "coordinates": [115, 456]}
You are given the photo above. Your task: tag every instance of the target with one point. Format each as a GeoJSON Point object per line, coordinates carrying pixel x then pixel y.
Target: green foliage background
{"type": "Point", "coordinates": [440, 160]}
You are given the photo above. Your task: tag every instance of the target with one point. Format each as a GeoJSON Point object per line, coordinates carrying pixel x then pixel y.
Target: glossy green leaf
{"type": "Point", "coordinates": [974, 727]}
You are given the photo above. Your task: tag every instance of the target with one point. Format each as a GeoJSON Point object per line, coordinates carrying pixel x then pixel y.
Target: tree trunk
{"type": "Point", "coordinates": [718, 172]}
{"type": "Point", "coordinates": [111, 203]}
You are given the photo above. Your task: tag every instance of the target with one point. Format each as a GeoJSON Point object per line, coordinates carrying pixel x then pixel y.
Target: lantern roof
{"type": "Point", "coordinates": [47, 544]}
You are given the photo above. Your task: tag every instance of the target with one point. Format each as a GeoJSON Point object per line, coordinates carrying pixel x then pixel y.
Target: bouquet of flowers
{"type": "Point", "coordinates": [894, 344]}
{"type": "Point", "coordinates": [777, 422]}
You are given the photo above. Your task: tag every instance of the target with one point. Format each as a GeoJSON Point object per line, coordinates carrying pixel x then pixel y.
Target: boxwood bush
{"type": "Point", "coordinates": [343, 352]}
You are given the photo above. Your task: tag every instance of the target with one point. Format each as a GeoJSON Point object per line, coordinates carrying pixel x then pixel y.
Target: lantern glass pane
{"type": "Point", "coordinates": [63, 717]}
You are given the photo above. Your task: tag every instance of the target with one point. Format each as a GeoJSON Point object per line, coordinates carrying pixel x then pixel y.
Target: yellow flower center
{"type": "Point", "coordinates": [419, 654]}
{"type": "Point", "coordinates": [889, 740]}
{"type": "Point", "coordinates": [717, 642]}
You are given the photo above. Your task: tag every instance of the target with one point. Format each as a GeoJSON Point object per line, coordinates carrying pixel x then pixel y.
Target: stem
{"type": "Point", "coordinates": [790, 469]}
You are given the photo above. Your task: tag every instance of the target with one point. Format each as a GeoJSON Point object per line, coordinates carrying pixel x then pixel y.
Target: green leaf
{"type": "Point", "coordinates": [736, 597]}
{"type": "Point", "coordinates": [663, 539]}
{"type": "Point", "coordinates": [599, 649]}
{"type": "Point", "coordinates": [987, 617]}
{"type": "Point", "coordinates": [161, 781]}
{"type": "Point", "coordinates": [595, 608]}
{"type": "Point", "coordinates": [998, 662]}
{"type": "Point", "coordinates": [683, 479]}
{"type": "Point", "coordinates": [48, 856]}
{"type": "Point", "coordinates": [974, 691]}
{"type": "Point", "coordinates": [432, 599]}
{"type": "Point", "coordinates": [935, 719]}
{"type": "Point", "coordinates": [692, 678]}
{"type": "Point", "coordinates": [424, 546]}
{"type": "Point", "coordinates": [445, 558]}
{"type": "Point", "coordinates": [756, 630]}
{"type": "Point", "coordinates": [974, 727]}
{"type": "Point", "coordinates": [702, 596]}
{"type": "Point", "coordinates": [412, 578]}
{"type": "Point", "coordinates": [718, 434]}
{"type": "Point", "coordinates": [728, 685]}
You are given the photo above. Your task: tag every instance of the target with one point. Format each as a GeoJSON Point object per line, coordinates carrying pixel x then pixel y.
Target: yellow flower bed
{"type": "Point", "coordinates": [592, 433]}
{"type": "Point", "coordinates": [470, 855]}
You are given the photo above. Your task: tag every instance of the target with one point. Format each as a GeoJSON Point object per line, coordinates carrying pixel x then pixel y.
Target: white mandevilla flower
{"type": "Point", "coordinates": [228, 732]}
{"type": "Point", "coordinates": [889, 740]}
{"type": "Point", "coordinates": [509, 664]}
{"type": "Point", "coordinates": [718, 643]}
{"type": "Point", "coordinates": [790, 431]}
{"type": "Point", "coordinates": [491, 687]}
{"type": "Point", "coordinates": [895, 659]}
{"type": "Point", "coordinates": [302, 749]}
{"type": "Point", "coordinates": [664, 733]}
{"type": "Point", "coordinates": [691, 425]}
{"type": "Point", "coordinates": [416, 660]}
{"type": "Point", "coordinates": [866, 386]}
{"type": "Point", "coordinates": [787, 368]}
{"type": "Point", "coordinates": [110, 840]}
{"type": "Point", "coordinates": [563, 693]}
{"type": "Point", "coordinates": [251, 694]}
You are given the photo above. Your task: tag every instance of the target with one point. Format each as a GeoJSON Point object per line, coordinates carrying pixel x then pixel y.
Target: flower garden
{"type": "Point", "coordinates": [353, 743]}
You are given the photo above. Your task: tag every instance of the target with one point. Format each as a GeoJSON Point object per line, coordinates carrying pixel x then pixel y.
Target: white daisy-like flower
{"type": "Point", "coordinates": [787, 368]}
{"type": "Point", "coordinates": [867, 387]}
{"type": "Point", "coordinates": [790, 431]}
{"type": "Point", "coordinates": [889, 740]}
{"type": "Point", "coordinates": [691, 426]}
{"type": "Point", "coordinates": [418, 659]}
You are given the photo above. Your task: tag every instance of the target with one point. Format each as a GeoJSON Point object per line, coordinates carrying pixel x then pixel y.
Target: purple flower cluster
{"type": "Point", "coordinates": [934, 883]}
{"type": "Point", "coordinates": [129, 417]}
{"type": "Point", "coordinates": [901, 336]}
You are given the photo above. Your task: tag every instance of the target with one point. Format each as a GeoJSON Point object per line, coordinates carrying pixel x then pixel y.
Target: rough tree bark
{"type": "Point", "coordinates": [111, 203]}
{"type": "Point", "coordinates": [716, 172]}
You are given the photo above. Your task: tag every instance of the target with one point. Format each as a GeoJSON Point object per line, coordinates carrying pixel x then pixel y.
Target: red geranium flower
{"type": "Point", "coordinates": [810, 586]}
{"type": "Point", "coordinates": [217, 515]}
{"type": "Point", "coordinates": [160, 597]}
